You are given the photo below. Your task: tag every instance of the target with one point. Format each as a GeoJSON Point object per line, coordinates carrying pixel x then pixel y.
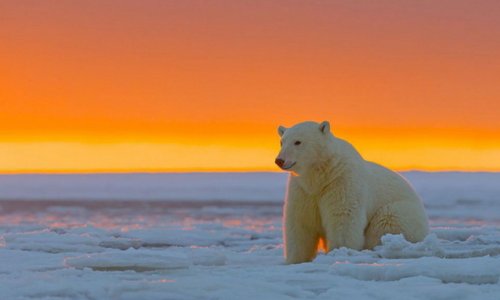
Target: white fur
{"type": "Point", "coordinates": [334, 195]}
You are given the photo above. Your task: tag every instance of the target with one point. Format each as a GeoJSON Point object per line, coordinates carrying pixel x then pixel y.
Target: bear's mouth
{"type": "Point", "coordinates": [289, 167]}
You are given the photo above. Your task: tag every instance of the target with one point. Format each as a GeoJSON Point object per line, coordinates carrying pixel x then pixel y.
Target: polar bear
{"type": "Point", "coordinates": [335, 198]}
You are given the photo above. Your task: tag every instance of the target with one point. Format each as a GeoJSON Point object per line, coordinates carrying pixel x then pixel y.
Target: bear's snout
{"type": "Point", "coordinates": [279, 162]}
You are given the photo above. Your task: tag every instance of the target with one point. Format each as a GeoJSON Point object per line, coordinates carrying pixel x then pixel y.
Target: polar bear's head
{"type": "Point", "coordinates": [302, 145]}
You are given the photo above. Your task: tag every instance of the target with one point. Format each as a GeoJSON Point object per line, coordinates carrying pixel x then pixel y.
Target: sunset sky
{"type": "Point", "coordinates": [110, 86]}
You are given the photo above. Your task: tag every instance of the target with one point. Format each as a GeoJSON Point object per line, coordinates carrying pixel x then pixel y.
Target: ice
{"type": "Point", "coordinates": [256, 186]}
{"type": "Point", "coordinates": [168, 237]}
{"type": "Point", "coordinates": [397, 258]}
{"type": "Point", "coordinates": [206, 236]}
{"type": "Point", "coordinates": [132, 259]}
{"type": "Point", "coordinates": [479, 270]}
{"type": "Point", "coordinates": [459, 196]}
{"type": "Point", "coordinates": [51, 241]}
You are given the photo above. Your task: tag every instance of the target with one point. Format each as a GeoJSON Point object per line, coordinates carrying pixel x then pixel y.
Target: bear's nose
{"type": "Point", "coordinates": [279, 162]}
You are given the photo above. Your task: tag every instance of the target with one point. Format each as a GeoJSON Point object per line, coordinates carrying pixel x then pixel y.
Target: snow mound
{"type": "Point", "coordinates": [397, 258]}
{"type": "Point", "coordinates": [396, 246]}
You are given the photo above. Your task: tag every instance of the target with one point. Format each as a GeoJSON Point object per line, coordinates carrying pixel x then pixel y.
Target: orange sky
{"type": "Point", "coordinates": [202, 85]}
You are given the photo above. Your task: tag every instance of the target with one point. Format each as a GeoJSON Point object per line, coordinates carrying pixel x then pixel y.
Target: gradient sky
{"type": "Point", "coordinates": [202, 85]}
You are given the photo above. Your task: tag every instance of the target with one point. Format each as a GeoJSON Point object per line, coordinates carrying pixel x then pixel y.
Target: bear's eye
{"type": "Point", "coordinates": [297, 143]}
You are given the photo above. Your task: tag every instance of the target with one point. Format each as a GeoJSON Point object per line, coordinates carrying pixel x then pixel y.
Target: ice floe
{"type": "Point", "coordinates": [107, 249]}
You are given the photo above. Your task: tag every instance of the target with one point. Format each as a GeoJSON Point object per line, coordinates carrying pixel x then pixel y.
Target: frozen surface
{"type": "Point", "coordinates": [218, 236]}
{"type": "Point", "coordinates": [164, 187]}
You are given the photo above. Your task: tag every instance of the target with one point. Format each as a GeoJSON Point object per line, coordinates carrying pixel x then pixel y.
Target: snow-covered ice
{"type": "Point", "coordinates": [219, 236]}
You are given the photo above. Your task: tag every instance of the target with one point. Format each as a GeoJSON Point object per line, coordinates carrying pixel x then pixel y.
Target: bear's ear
{"type": "Point", "coordinates": [324, 127]}
{"type": "Point", "coordinates": [281, 130]}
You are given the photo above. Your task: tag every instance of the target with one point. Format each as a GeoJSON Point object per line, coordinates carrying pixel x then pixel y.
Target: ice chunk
{"type": "Point", "coordinates": [395, 246]}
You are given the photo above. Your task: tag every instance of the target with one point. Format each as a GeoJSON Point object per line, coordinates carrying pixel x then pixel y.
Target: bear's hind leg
{"type": "Point", "coordinates": [397, 217]}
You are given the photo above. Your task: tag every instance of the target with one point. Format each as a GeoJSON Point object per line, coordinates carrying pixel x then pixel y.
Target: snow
{"type": "Point", "coordinates": [219, 236]}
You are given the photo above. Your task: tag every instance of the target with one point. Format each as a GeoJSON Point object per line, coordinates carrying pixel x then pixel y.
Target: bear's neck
{"type": "Point", "coordinates": [327, 168]}
{"type": "Point", "coordinates": [339, 157]}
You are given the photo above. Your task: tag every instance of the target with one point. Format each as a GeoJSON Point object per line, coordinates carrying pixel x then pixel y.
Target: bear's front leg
{"type": "Point", "coordinates": [301, 234]}
{"type": "Point", "coordinates": [300, 244]}
{"type": "Point", "coordinates": [344, 222]}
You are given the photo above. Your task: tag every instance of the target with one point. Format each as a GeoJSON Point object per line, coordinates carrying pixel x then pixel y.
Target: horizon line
{"type": "Point", "coordinates": [206, 171]}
